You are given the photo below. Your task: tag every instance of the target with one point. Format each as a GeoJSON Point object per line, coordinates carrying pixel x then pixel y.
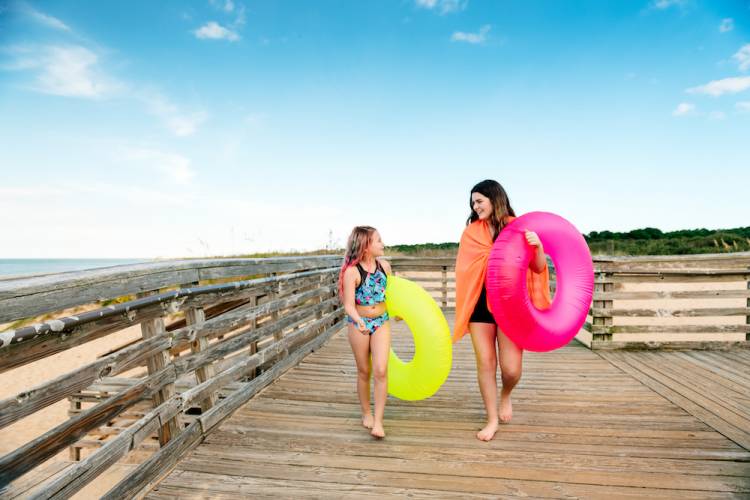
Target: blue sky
{"type": "Point", "coordinates": [161, 129]}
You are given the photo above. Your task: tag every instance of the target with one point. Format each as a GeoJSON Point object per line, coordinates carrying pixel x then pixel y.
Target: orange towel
{"type": "Point", "coordinates": [471, 269]}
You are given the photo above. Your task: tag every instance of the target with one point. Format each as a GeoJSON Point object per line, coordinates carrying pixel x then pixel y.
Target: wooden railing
{"type": "Point", "coordinates": [225, 343]}
{"type": "Point", "coordinates": [691, 301]}
{"type": "Point", "coordinates": [215, 332]}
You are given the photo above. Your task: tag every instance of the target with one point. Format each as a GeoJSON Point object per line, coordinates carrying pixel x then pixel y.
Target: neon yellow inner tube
{"type": "Point", "coordinates": [421, 377]}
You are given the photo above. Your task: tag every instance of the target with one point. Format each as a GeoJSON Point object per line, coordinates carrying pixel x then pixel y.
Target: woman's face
{"type": "Point", "coordinates": [377, 249]}
{"type": "Point", "coordinates": [481, 205]}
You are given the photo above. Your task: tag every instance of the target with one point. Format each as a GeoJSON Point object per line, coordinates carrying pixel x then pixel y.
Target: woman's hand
{"type": "Point", "coordinates": [539, 262]}
{"type": "Point", "coordinates": [533, 239]}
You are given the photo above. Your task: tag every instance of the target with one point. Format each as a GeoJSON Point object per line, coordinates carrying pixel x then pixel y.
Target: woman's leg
{"type": "Point", "coordinates": [483, 339]}
{"type": "Point", "coordinates": [511, 364]}
{"type": "Point", "coordinates": [361, 349]}
{"type": "Point", "coordinates": [380, 345]}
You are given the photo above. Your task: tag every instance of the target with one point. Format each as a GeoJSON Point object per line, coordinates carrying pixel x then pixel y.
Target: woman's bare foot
{"type": "Point", "coordinates": [367, 421]}
{"type": "Point", "coordinates": [488, 432]}
{"type": "Point", "coordinates": [377, 430]}
{"type": "Point", "coordinates": [506, 408]}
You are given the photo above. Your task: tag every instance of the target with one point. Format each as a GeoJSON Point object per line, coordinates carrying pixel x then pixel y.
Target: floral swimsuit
{"type": "Point", "coordinates": [371, 291]}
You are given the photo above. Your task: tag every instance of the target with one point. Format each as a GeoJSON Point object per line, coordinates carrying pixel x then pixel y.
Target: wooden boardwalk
{"type": "Point", "coordinates": [616, 425]}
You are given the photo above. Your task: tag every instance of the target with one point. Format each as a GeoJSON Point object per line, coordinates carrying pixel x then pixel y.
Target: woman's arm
{"type": "Point", "coordinates": [350, 284]}
{"type": "Point", "coordinates": [539, 261]}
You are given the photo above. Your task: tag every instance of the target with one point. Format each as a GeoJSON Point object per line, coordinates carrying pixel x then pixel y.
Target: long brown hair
{"type": "Point", "coordinates": [501, 208]}
{"type": "Point", "coordinates": [356, 249]}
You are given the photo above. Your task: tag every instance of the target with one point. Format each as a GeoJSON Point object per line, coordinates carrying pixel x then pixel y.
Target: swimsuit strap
{"type": "Point", "coordinates": [363, 273]}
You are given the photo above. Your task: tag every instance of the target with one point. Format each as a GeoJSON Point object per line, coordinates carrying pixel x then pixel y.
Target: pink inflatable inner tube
{"type": "Point", "coordinates": [530, 328]}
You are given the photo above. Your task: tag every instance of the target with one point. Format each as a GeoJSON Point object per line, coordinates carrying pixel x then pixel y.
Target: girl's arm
{"type": "Point", "coordinates": [386, 266]}
{"type": "Point", "coordinates": [388, 271]}
{"type": "Point", "coordinates": [350, 284]}
{"type": "Point", "coordinates": [539, 261]}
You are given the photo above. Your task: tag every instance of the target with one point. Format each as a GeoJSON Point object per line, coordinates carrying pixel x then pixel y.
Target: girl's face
{"type": "Point", "coordinates": [377, 249]}
{"type": "Point", "coordinates": [481, 205]}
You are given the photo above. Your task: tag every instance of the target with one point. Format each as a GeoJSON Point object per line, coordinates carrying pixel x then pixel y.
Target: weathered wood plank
{"type": "Point", "coordinates": [32, 400]}
{"type": "Point", "coordinates": [244, 315]}
{"type": "Point", "coordinates": [38, 450]}
{"type": "Point", "coordinates": [161, 463]}
{"type": "Point", "coordinates": [85, 471]}
{"type": "Point", "coordinates": [195, 317]}
{"type": "Point", "coordinates": [223, 410]}
{"type": "Point", "coordinates": [581, 427]}
{"type": "Point", "coordinates": [670, 329]}
{"type": "Point", "coordinates": [245, 338]}
{"type": "Point", "coordinates": [171, 300]}
{"type": "Point", "coordinates": [683, 396]}
{"type": "Point", "coordinates": [672, 313]}
{"type": "Point", "coordinates": [156, 328]}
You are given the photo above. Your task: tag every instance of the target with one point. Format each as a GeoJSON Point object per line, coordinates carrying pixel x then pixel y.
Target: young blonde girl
{"type": "Point", "coordinates": [362, 289]}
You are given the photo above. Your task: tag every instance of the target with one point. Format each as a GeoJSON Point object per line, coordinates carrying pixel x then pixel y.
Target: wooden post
{"type": "Point", "coordinates": [152, 328]}
{"type": "Point", "coordinates": [445, 287]}
{"type": "Point", "coordinates": [195, 316]}
{"type": "Point", "coordinates": [747, 318]}
{"type": "Point", "coordinates": [254, 345]}
{"type": "Point", "coordinates": [75, 408]}
{"type": "Point", "coordinates": [601, 322]}
{"type": "Point", "coordinates": [275, 315]}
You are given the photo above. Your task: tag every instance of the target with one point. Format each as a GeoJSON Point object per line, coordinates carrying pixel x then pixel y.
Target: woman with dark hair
{"type": "Point", "coordinates": [490, 213]}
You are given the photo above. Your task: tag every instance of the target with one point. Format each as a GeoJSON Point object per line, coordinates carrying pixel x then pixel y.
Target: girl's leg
{"type": "Point", "coordinates": [483, 339]}
{"type": "Point", "coordinates": [511, 362]}
{"type": "Point", "coordinates": [380, 345]}
{"type": "Point", "coordinates": [361, 348]}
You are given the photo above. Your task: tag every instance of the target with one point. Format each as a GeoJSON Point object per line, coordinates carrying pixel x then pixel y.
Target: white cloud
{"type": "Point", "coordinates": [45, 19]}
{"type": "Point", "coordinates": [226, 5]}
{"type": "Point", "coordinates": [475, 38]}
{"type": "Point", "coordinates": [684, 109]}
{"type": "Point", "coordinates": [75, 71]}
{"type": "Point", "coordinates": [727, 25]}
{"type": "Point", "coordinates": [665, 4]}
{"type": "Point", "coordinates": [716, 88]}
{"type": "Point", "coordinates": [214, 31]}
{"type": "Point", "coordinates": [717, 115]}
{"type": "Point", "coordinates": [443, 6]}
{"type": "Point", "coordinates": [240, 19]}
{"type": "Point", "coordinates": [174, 166]}
{"type": "Point", "coordinates": [743, 106]}
{"type": "Point", "coordinates": [743, 57]}
{"type": "Point", "coordinates": [229, 7]}
{"type": "Point", "coordinates": [65, 70]}
{"type": "Point", "coordinates": [185, 125]}
{"type": "Point", "coordinates": [180, 123]}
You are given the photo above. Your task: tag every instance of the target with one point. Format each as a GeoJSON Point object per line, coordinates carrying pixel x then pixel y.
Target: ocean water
{"type": "Point", "coordinates": [20, 267]}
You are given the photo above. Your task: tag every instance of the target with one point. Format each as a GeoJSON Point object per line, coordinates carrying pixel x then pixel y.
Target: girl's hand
{"type": "Point", "coordinates": [362, 326]}
{"type": "Point", "coordinates": [533, 239]}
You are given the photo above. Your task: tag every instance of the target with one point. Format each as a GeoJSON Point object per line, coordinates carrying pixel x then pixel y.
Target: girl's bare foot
{"type": "Point", "coordinates": [506, 408]}
{"type": "Point", "coordinates": [377, 430]}
{"type": "Point", "coordinates": [367, 421]}
{"type": "Point", "coordinates": [488, 432]}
